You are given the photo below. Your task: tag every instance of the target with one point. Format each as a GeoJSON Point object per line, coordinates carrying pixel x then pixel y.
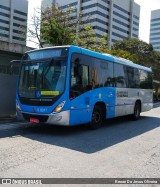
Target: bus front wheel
{"type": "Point", "coordinates": [96, 118]}
{"type": "Point", "coordinates": [137, 111]}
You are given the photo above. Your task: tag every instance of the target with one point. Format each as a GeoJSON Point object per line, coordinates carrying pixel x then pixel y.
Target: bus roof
{"type": "Point", "coordinates": [105, 56]}
{"type": "Point", "coordinates": [130, 63]}
{"type": "Point", "coordinates": [64, 46]}
{"type": "Point", "coordinates": [115, 59]}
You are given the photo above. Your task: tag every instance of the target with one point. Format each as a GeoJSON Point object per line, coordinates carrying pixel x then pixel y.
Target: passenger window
{"type": "Point", "coordinates": [102, 73]}
{"type": "Point", "coordinates": [133, 77]}
{"type": "Point", "coordinates": [119, 76]}
{"type": "Point", "coordinates": [145, 80]}
{"type": "Point", "coordinates": [108, 78]}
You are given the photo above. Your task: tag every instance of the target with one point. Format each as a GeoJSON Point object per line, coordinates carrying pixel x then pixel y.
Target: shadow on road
{"type": "Point", "coordinates": [78, 138]}
{"type": "Point", "coordinates": [156, 105]}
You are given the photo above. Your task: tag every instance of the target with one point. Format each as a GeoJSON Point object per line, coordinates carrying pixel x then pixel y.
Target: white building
{"type": "Point", "coordinates": [13, 16]}
{"type": "Point", "coordinates": [155, 29]}
{"type": "Point", "coordinates": [118, 18]}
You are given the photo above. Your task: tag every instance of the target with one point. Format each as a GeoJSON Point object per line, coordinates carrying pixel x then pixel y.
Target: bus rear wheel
{"type": "Point", "coordinates": [96, 118]}
{"type": "Point", "coordinates": [137, 111]}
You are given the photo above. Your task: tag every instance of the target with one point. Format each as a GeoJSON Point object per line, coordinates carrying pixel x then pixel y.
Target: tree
{"type": "Point", "coordinates": [88, 39]}
{"type": "Point", "coordinates": [145, 55]}
{"type": "Point", "coordinates": [54, 26]}
{"type": "Point", "coordinates": [134, 46]}
{"type": "Point", "coordinates": [123, 54]}
{"type": "Point", "coordinates": [141, 49]}
{"type": "Point", "coordinates": [33, 31]}
{"type": "Point", "coordinates": [57, 27]}
{"type": "Point", "coordinates": [156, 73]}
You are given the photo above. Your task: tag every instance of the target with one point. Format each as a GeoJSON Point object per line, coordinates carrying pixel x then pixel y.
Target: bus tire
{"type": "Point", "coordinates": [97, 118]}
{"type": "Point", "coordinates": [137, 111]}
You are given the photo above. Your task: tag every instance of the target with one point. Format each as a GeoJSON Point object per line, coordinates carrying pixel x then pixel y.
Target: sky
{"type": "Point", "coordinates": [145, 14]}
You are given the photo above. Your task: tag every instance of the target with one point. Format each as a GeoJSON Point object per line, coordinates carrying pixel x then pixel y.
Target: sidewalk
{"type": "Point", "coordinates": [8, 123]}
{"type": "Point", "coordinates": [4, 120]}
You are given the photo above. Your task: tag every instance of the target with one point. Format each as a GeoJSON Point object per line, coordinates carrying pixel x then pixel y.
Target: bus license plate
{"type": "Point", "coordinates": [34, 120]}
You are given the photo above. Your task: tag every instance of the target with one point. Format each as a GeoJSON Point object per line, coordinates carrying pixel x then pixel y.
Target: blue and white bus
{"type": "Point", "coordinates": [69, 85]}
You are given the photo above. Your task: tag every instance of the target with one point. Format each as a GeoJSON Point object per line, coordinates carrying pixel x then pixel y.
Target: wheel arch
{"type": "Point", "coordinates": [103, 107]}
{"type": "Point", "coordinates": [140, 104]}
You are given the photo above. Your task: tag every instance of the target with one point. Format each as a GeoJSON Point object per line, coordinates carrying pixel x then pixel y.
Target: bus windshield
{"type": "Point", "coordinates": [42, 78]}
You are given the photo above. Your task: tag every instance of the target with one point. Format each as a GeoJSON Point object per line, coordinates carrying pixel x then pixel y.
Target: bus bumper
{"type": "Point", "coordinates": [19, 115]}
{"type": "Point", "coordinates": [61, 118]}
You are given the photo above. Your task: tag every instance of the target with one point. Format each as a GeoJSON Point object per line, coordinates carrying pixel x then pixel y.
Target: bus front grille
{"type": "Point", "coordinates": [41, 118]}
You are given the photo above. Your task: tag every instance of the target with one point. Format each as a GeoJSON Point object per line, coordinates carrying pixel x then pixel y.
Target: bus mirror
{"type": "Point", "coordinates": [14, 66]}
{"type": "Point", "coordinates": [15, 62]}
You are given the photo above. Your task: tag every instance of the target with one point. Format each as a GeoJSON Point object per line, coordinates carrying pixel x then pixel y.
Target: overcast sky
{"type": "Point", "coordinates": [145, 13]}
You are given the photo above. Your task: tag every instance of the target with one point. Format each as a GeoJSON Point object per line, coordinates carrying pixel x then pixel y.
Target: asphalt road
{"type": "Point", "coordinates": [121, 148]}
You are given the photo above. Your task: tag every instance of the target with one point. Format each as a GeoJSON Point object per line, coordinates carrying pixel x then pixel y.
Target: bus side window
{"type": "Point", "coordinates": [108, 78]}
{"type": "Point", "coordinates": [145, 80]}
{"type": "Point", "coordinates": [119, 76]}
{"type": "Point", "coordinates": [133, 77]}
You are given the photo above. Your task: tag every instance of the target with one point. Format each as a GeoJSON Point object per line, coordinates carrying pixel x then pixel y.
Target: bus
{"type": "Point", "coordinates": [70, 85]}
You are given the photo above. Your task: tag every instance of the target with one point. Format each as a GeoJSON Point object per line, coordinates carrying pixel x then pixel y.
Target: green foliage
{"type": "Point", "coordinates": [59, 28]}
{"type": "Point", "coordinates": [123, 54]}
{"type": "Point", "coordinates": [143, 53]}
{"type": "Point", "coordinates": [142, 50]}
{"type": "Point", "coordinates": [156, 65]}
{"type": "Point", "coordinates": [87, 39]}
{"type": "Point", "coordinates": [134, 46]}
{"type": "Point", "coordinates": [56, 26]}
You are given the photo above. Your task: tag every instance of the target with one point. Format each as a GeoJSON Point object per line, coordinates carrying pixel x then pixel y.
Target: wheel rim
{"type": "Point", "coordinates": [137, 111]}
{"type": "Point", "coordinates": [96, 117]}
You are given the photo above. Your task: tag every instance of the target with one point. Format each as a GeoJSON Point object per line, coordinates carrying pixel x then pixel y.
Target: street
{"type": "Point", "coordinates": [121, 148]}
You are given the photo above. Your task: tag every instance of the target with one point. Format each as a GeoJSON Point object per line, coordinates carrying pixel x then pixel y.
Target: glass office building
{"type": "Point", "coordinates": [13, 21]}
{"type": "Point", "coordinates": [118, 18]}
{"type": "Point", "coordinates": [155, 29]}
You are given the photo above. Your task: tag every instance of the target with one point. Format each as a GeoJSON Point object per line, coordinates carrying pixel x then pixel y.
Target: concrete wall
{"type": "Point", "coordinates": [8, 76]}
{"type": "Point", "coordinates": [7, 95]}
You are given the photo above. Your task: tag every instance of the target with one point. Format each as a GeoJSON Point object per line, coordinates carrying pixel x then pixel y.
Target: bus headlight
{"type": "Point", "coordinates": [59, 107]}
{"type": "Point", "coordinates": [18, 106]}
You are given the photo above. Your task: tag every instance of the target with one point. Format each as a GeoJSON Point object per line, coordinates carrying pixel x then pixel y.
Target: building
{"type": "Point", "coordinates": [118, 18]}
{"type": "Point", "coordinates": [155, 29]}
{"type": "Point", "coordinates": [13, 21]}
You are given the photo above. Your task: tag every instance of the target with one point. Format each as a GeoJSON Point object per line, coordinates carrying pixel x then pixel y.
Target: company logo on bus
{"type": "Point", "coordinates": [122, 94]}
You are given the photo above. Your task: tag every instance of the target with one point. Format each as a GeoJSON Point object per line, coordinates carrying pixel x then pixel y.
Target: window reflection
{"type": "Point", "coordinates": [89, 73]}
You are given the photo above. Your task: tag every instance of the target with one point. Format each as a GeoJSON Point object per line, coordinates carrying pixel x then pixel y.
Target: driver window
{"type": "Point", "coordinates": [79, 77]}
